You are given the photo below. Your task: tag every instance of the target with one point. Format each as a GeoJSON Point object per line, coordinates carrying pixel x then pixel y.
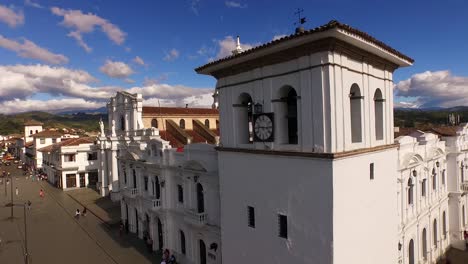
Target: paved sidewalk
{"type": "Point", "coordinates": [56, 236]}
{"type": "Point", "coordinates": [101, 207]}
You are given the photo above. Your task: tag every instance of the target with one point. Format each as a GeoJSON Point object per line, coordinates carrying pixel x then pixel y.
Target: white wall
{"type": "Point", "coordinates": [300, 188]}
{"type": "Point", "coordinates": [364, 210]}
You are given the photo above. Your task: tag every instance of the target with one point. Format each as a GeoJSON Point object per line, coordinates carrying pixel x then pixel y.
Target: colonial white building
{"type": "Point", "coordinates": [71, 163]}
{"type": "Point", "coordinates": [307, 170]}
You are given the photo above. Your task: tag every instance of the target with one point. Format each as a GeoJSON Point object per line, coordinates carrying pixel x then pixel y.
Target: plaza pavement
{"type": "Point", "coordinates": [55, 236]}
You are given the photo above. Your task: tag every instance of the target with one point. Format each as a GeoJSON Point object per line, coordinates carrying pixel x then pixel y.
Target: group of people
{"type": "Point", "coordinates": [167, 258]}
{"type": "Point", "coordinates": [78, 213]}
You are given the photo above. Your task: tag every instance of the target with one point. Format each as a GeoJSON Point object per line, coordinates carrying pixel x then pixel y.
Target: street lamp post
{"type": "Point", "coordinates": [26, 253]}
{"type": "Point", "coordinates": [11, 194]}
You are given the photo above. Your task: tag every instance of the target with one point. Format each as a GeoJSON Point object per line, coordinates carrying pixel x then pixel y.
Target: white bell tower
{"type": "Point", "coordinates": [320, 187]}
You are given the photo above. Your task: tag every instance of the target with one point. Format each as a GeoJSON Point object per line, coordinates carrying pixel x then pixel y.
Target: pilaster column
{"type": "Point", "coordinates": [115, 172]}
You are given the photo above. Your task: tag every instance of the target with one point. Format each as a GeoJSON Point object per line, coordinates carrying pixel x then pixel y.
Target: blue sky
{"type": "Point", "coordinates": [171, 38]}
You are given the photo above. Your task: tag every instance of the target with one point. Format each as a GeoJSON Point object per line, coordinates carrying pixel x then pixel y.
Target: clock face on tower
{"type": "Point", "coordinates": [263, 127]}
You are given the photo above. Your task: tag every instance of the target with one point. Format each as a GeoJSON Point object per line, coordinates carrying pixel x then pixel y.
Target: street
{"type": "Point", "coordinates": [54, 234]}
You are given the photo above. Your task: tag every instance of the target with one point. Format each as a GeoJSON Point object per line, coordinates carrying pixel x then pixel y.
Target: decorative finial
{"type": "Point", "coordinates": [238, 47]}
{"type": "Point", "coordinates": [301, 20]}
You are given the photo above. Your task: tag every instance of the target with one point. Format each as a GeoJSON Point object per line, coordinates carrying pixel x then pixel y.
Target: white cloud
{"type": "Point", "coordinates": [228, 44]}
{"type": "Point", "coordinates": [275, 37]}
{"type": "Point", "coordinates": [438, 88]}
{"type": "Point", "coordinates": [171, 55]}
{"type": "Point", "coordinates": [23, 81]}
{"type": "Point", "coordinates": [29, 49]}
{"type": "Point", "coordinates": [235, 4]}
{"type": "Point", "coordinates": [18, 83]}
{"type": "Point", "coordinates": [10, 17]}
{"type": "Point", "coordinates": [53, 105]}
{"type": "Point", "coordinates": [152, 81]}
{"type": "Point", "coordinates": [128, 80]}
{"type": "Point", "coordinates": [139, 61]}
{"type": "Point", "coordinates": [202, 101]}
{"type": "Point", "coordinates": [32, 4]}
{"type": "Point", "coordinates": [116, 69]}
{"type": "Point", "coordinates": [81, 23]}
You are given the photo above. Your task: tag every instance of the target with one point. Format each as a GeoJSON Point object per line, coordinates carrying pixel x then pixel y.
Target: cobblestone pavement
{"type": "Point", "coordinates": [55, 235]}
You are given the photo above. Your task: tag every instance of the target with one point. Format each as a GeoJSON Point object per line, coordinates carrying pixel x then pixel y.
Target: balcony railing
{"type": "Point", "coordinates": [131, 192]}
{"type": "Point", "coordinates": [464, 186]}
{"type": "Point", "coordinates": [156, 204]}
{"type": "Point", "coordinates": [195, 218]}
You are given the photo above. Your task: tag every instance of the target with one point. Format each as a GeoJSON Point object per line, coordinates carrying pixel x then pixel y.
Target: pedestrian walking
{"type": "Point", "coordinates": [41, 193]}
{"type": "Point", "coordinates": [84, 211]}
{"type": "Point", "coordinates": [121, 228]}
{"type": "Point", "coordinates": [149, 244]}
{"type": "Point", "coordinates": [77, 213]}
{"type": "Point", "coordinates": [29, 205]}
{"type": "Point", "coordinates": [465, 236]}
{"type": "Point", "coordinates": [17, 191]}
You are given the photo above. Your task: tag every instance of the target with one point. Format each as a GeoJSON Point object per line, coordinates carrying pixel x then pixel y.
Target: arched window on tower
{"type": "Point", "coordinates": [286, 112]}
{"type": "Point", "coordinates": [30, 132]}
{"type": "Point", "coordinates": [434, 228]}
{"type": "Point", "coordinates": [378, 114]}
{"type": "Point", "coordinates": [154, 123]}
{"type": "Point", "coordinates": [182, 123]}
{"type": "Point", "coordinates": [424, 244]}
{"type": "Point", "coordinates": [410, 191]}
{"type": "Point", "coordinates": [355, 111]}
{"type": "Point", "coordinates": [444, 225]}
{"type": "Point", "coordinates": [122, 123]}
{"type": "Point", "coordinates": [462, 172]}
{"type": "Point", "coordinates": [207, 123]}
{"type": "Point", "coordinates": [243, 115]}
{"type": "Point", "coordinates": [434, 179]}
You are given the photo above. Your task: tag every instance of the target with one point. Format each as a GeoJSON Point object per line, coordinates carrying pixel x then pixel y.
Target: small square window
{"type": "Point", "coordinates": [371, 171]}
{"type": "Point", "coordinates": [251, 213]}
{"type": "Point", "coordinates": [283, 226]}
{"type": "Point", "coordinates": [42, 140]}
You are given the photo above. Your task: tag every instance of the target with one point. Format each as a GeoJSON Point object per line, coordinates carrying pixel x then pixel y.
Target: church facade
{"type": "Point", "coordinates": [307, 169]}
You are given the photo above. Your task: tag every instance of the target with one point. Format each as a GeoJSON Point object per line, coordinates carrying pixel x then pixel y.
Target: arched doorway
{"type": "Point", "coordinates": [202, 252]}
{"type": "Point", "coordinates": [136, 221]}
{"type": "Point", "coordinates": [160, 235]}
{"type": "Point", "coordinates": [147, 223]}
{"type": "Point", "coordinates": [411, 252]}
{"type": "Point", "coordinates": [200, 199]}
{"type": "Point", "coordinates": [158, 188]}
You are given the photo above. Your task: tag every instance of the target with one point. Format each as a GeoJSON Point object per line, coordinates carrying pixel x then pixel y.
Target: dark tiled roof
{"type": "Point", "coordinates": [330, 25]}
{"type": "Point", "coordinates": [29, 144]}
{"type": "Point", "coordinates": [33, 123]}
{"type": "Point", "coordinates": [48, 134]}
{"type": "Point", "coordinates": [179, 111]}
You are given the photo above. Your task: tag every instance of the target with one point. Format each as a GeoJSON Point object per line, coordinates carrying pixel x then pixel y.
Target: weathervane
{"type": "Point", "coordinates": [300, 21]}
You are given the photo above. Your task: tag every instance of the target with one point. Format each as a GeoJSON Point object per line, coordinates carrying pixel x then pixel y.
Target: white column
{"type": "Point", "coordinates": [77, 179]}
{"type": "Point", "coordinates": [115, 172]}
{"type": "Point", "coordinates": [64, 181]}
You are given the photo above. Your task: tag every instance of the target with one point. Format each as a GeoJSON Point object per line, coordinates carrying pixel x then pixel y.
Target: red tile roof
{"type": "Point", "coordinates": [29, 144]}
{"type": "Point", "coordinates": [33, 123]}
{"type": "Point", "coordinates": [330, 25]}
{"type": "Point", "coordinates": [445, 131]}
{"type": "Point", "coordinates": [68, 142]}
{"type": "Point", "coordinates": [178, 111]}
{"type": "Point", "coordinates": [48, 134]}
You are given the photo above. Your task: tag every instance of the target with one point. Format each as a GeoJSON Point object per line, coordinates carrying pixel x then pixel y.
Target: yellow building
{"type": "Point", "coordinates": [183, 126]}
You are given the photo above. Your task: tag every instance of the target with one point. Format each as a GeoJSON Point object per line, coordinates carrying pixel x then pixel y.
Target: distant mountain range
{"type": "Point", "coordinates": [89, 121]}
